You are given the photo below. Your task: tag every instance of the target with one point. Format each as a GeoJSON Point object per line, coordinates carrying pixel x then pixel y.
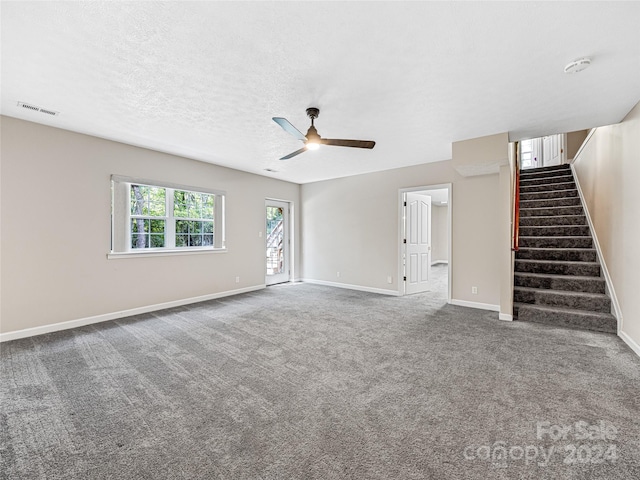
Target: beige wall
{"type": "Point", "coordinates": [439, 233]}
{"type": "Point", "coordinates": [574, 142]}
{"type": "Point", "coordinates": [351, 225]}
{"type": "Point", "coordinates": [608, 170]}
{"type": "Point", "coordinates": [56, 236]}
{"type": "Point", "coordinates": [480, 156]}
{"type": "Point", "coordinates": [55, 204]}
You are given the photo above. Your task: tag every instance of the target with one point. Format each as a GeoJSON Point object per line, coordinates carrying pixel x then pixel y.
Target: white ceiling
{"type": "Point", "coordinates": [203, 79]}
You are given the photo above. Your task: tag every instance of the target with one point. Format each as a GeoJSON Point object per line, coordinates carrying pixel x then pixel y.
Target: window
{"type": "Point", "coordinates": [193, 213]}
{"type": "Point", "coordinates": [150, 217]}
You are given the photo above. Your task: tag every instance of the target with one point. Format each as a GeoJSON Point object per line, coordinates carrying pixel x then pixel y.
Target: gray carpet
{"type": "Point", "coordinates": [311, 382]}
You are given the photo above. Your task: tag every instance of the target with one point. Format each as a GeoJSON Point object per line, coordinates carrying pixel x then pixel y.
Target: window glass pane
{"type": "Point", "coordinates": [179, 203]}
{"type": "Point", "coordinates": [195, 240]}
{"type": "Point", "coordinates": [208, 207]}
{"type": "Point", "coordinates": [182, 226]}
{"type": "Point", "coordinates": [157, 241]}
{"type": "Point", "coordinates": [157, 226]}
{"type": "Point", "coordinates": [139, 241]}
{"type": "Point", "coordinates": [207, 240]}
{"type": "Point", "coordinates": [207, 227]}
{"type": "Point", "coordinates": [147, 200]}
{"type": "Point", "coordinates": [137, 199]}
{"type": "Point", "coordinates": [137, 225]}
{"type": "Point", "coordinates": [193, 205]}
{"type": "Point", "coordinates": [182, 240]}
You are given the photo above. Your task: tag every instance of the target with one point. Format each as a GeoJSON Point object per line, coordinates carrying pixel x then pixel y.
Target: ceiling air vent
{"type": "Point", "coordinates": [38, 109]}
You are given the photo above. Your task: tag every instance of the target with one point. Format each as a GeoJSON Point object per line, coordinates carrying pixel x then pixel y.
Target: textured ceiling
{"type": "Point", "coordinates": [203, 79]}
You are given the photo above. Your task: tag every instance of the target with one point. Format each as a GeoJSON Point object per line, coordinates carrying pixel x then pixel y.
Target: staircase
{"type": "Point", "coordinates": [557, 275]}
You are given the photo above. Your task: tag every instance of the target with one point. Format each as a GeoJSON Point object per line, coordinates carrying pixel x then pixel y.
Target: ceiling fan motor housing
{"type": "Point", "coordinates": [312, 134]}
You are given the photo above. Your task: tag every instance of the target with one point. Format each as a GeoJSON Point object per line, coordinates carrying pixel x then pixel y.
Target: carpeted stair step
{"type": "Point", "coordinates": [551, 202]}
{"type": "Point", "coordinates": [551, 211]}
{"type": "Point", "coordinates": [562, 298]}
{"type": "Point", "coordinates": [542, 171]}
{"type": "Point", "coordinates": [566, 317]}
{"type": "Point", "coordinates": [560, 282]}
{"type": "Point", "coordinates": [547, 186]}
{"type": "Point", "coordinates": [553, 220]}
{"type": "Point", "coordinates": [555, 267]}
{"type": "Point", "coordinates": [568, 254]}
{"type": "Point", "coordinates": [555, 231]}
{"type": "Point", "coordinates": [556, 242]}
{"type": "Point", "coordinates": [548, 194]}
{"type": "Point", "coordinates": [560, 178]}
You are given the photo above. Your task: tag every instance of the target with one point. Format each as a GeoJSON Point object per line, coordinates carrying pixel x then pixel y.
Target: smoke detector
{"type": "Point", "coordinates": [577, 65]}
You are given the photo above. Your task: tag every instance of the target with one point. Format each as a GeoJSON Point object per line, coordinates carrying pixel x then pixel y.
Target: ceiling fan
{"type": "Point", "coordinates": [312, 140]}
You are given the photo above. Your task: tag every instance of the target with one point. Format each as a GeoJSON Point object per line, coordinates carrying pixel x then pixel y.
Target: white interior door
{"type": "Point", "coordinates": [417, 256]}
{"type": "Point", "coordinates": [277, 242]}
{"type": "Point", "coordinates": [552, 150]}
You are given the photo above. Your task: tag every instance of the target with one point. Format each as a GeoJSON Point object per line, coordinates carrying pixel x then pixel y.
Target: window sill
{"type": "Point", "coordinates": [164, 253]}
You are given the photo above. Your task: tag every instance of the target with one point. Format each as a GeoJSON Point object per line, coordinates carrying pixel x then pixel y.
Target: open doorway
{"type": "Point", "coordinates": [543, 152]}
{"type": "Point", "coordinates": [277, 243]}
{"type": "Point", "coordinates": [425, 240]}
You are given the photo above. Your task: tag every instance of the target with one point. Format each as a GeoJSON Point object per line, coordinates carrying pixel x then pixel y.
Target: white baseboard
{"type": "Point", "coordinates": [507, 317]}
{"type": "Point", "coordinates": [481, 306]}
{"type": "Point", "coordinates": [630, 341]}
{"type": "Point", "coordinates": [617, 311]}
{"type": "Point", "coordinates": [348, 286]}
{"type": "Point", "coordinates": [80, 322]}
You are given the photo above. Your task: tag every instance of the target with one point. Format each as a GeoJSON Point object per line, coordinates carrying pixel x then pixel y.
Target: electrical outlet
{"type": "Point", "coordinates": [338, 274]}
{"type": "Point", "coordinates": [474, 290]}
{"type": "Point", "coordinates": [237, 279]}
{"type": "Point", "coordinates": [260, 234]}
{"type": "Point", "coordinates": [389, 279]}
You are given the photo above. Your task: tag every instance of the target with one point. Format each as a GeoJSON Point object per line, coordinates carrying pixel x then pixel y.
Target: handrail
{"type": "Point", "coordinates": [516, 202]}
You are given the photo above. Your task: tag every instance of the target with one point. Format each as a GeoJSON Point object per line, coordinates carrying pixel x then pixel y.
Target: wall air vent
{"type": "Point", "coordinates": [38, 109]}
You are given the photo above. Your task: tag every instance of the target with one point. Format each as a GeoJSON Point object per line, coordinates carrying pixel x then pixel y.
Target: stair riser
{"type": "Point", "coordinates": [554, 299]}
{"type": "Point", "coordinates": [567, 320]}
{"type": "Point", "coordinates": [554, 170]}
{"type": "Point", "coordinates": [553, 202]}
{"type": "Point", "coordinates": [556, 231]}
{"type": "Point", "coordinates": [547, 187]}
{"type": "Point", "coordinates": [549, 194]}
{"type": "Point", "coordinates": [572, 284]}
{"type": "Point", "coordinates": [567, 255]}
{"type": "Point", "coordinates": [561, 178]}
{"type": "Point", "coordinates": [556, 242]}
{"type": "Point", "coordinates": [550, 212]}
{"type": "Point", "coordinates": [551, 221]}
{"type": "Point", "coordinates": [585, 270]}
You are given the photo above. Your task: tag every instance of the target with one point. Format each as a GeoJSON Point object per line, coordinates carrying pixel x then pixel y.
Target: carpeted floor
{"type": "Point", "coordinates": [310, 382]}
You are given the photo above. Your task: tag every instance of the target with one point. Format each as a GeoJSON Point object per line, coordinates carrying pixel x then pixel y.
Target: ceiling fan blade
{"type": "Point", "coordinates": [290, 129]}
{"type": "Point", "coordinates": [297, 152]}
{"type": "Point", "coordinates": [348, 143]}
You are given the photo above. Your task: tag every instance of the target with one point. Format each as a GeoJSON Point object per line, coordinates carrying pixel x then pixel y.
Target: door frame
{"type": "Point", "coordinates": [288, 235]}
{"type": "Point", "coordinates": [401, 227]}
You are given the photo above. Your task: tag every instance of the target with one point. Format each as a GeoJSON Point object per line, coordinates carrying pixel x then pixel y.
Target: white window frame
{"type": "Point", "coordinates": [121, 218]}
